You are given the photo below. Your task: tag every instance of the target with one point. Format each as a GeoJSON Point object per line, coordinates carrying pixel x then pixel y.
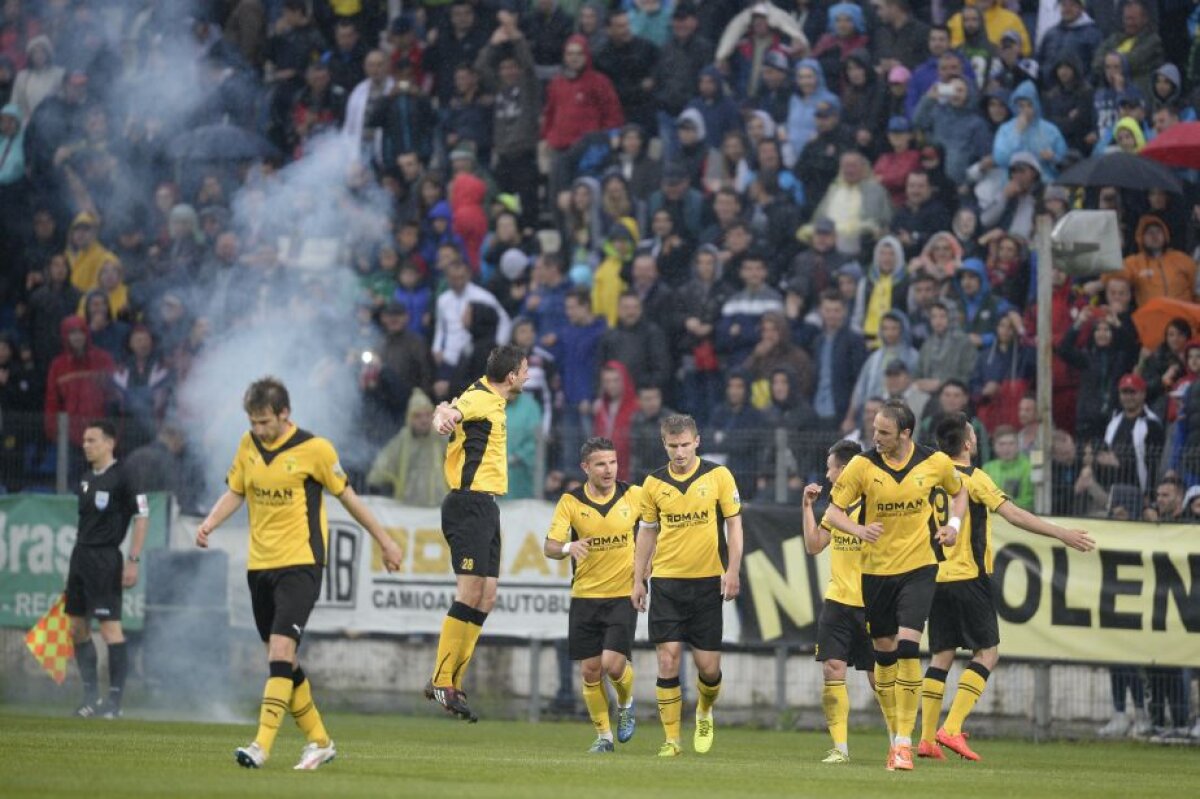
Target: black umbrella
{"type": "Point", "coordinates": [221, 142]}
{"type": "Point", "coordinates": [1123, 171]}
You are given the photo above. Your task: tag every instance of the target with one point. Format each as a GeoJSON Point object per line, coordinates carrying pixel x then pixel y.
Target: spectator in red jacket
{"type": "Point", "coordinates": [613, 411]}
{"type": "Point", "coordinates": [470, 221]}
{"type": "Point", "coordinates": [78, 382]}
{"type": "Point", "coordinates": [579, 101]}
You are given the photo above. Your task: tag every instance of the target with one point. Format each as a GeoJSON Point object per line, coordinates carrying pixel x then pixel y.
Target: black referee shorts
{"type": "Point", "coordinates": [842, 635]}
{"type": "Point", "coordinates": [595, 625]}
{"type": "Point", "coordinates": [963, 616]}
{"type": "Point", "coordinates": [283, 599]}
{"type": "Point", "coordinates": [471, 525]}
{"type": "Point", "coordinates": [687, 610]}
{"type": "Point", "coordinates": [893, 601]}
{"type": "Point", "coordinates": [94, 583]}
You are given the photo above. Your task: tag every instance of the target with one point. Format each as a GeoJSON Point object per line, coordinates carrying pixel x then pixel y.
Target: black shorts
{"type": "Point", "coordinates": [94, 583]}
{"type": "Point", "coordinates": [283, 599]}
{"type": "Point", "coordinates": [898, 600]}
{"type": "Point", "coordinates": [842, 635]}
{"type": "Point", "coordinates": [471, 525]}
{"type": "Point", "coordinates": [687, 610]}
{"type": "Point", "coordinates": [598, 624]}
{"type": "Point", "coordinates": [964, 616]}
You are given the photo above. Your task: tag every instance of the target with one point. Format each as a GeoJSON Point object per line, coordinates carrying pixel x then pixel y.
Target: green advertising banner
{"type": "Point", "coordinates": [37, 533]}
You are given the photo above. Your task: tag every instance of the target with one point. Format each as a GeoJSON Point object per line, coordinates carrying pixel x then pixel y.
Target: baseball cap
{"type": "Point", "coordinates": [899, 74]}
{"type": "Point", "coordinates": [674, 173]}
{"type": "Point", "coordinates": [684, 9]}
{"type": "Point", "coordinates": [899, 124]}
{"type": "Point", "coordinates": [776, 60]}
{"type": "Point", "coordinates": [1132, 381]}
{"type": "Point", "coordinates": [1010, 35]}
{"type": "Point", "coordinates": [824, 225]}
{"type": "Point", "coordinates": [896, 367]}
{"type": "Point", "coordinates": [826, 109]}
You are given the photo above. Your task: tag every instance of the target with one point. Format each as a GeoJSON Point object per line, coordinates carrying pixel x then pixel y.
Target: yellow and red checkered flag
{"type": "Point", "coordinates": [50, 640]}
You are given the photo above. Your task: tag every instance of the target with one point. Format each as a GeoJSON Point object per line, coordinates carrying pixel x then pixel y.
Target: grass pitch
{"type": "Point", "coordinates": [434, 756]}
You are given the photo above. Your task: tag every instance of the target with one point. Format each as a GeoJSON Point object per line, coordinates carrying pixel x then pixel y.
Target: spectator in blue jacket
{"type": "Point", "coordinates": [1028, 132]}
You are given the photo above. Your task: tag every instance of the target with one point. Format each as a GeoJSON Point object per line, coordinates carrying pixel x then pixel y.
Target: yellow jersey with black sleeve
{"type": "Point", "coordinates": [690, 510]}
{"type": "Point", "coordinates": [845, 561]}
{"type": "Point", "coordinates": [971, 555]}
{"type": "Point", "coordinates": [900, 497]}
{"type": "Point", "coordinates": [283, 484]}
{"type": "Point", "coordinates": [608, 525]}
{"type": "Point", "coordinates": [477, 456]}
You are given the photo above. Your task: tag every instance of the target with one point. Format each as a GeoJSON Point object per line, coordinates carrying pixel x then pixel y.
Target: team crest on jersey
{"type": "Point", "coordinates": [101, 500]}
{"type": "Point", "coordinates": [702, 490]}
{"type": "Point", "coordinates": [289, 465]}
{"type": "Point", "coordinates": [624, 511]}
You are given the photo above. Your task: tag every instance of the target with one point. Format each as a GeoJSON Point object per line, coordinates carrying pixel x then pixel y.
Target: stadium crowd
{"type": "Point", "coordinates": [773, 217]}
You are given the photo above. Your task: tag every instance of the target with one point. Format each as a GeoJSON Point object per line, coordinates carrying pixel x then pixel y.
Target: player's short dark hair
{"type": "Point", "coordinates": [951, 433]}
{"type": "Point", "coordinates": [106, 428]}
{"type": "Point", "coordinates": [844, 450]}
{"type": "Point", "coordinates": [503, 361]}
{"type": "Point", "coordinates": [267, 394]}
{"type": "Point", "coordinates": [678, 423]}
{"type": "Point", "coordinates": [898, 411]}
{"type": "Point", "coordinates": [581, 295]}
{"type": "Point", "coordinates": [595, 444]}
{"type": "Point", "coordinates": [833, 295]}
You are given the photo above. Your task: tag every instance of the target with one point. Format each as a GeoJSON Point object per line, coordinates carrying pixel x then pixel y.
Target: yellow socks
{"type": "Point", "coordinates": [670, 705]}
{"type": "Point", "coordinates": [597, 704]}
{"type": "Point", "coordinates": [474, 630]}
{"type": "Point", "coordinates": [706, 695]}
{"type": "Point", "coordinates": [624, 686]}
{"type": "Point", "coordinates": [970, 688]}
{"type": "Point", "coordinates": [908, 694]}
{"type": "Point", "coordinates": [932, 691]}
{"type": "Point", "coordinates": [835, 701]}
{"type": "Point", "coordinates": [277, 696]}
{"type": "Point", "coordinates": [885, 687]}
{"type": "Point", "coordinates": [304, 710]}
{"type": "Point", "coordinates": [460, 632]}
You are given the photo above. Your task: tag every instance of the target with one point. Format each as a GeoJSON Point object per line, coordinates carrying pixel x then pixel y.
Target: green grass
{"type": "Point", "coordinates": [431, 756]}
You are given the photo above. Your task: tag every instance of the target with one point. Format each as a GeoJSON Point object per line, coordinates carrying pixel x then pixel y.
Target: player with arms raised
{"type": "Point", "coordinates": [964, 606]}
{"type": "Point", "coordinates": [686, 506]}
{"type": "Point", "coordinates": [594, 526]}
{"type": "Point", "coordinates": [897, 482]}
{"type": "Point", "coordinates": [842, 628]}
{"type": "Point", "coordinates": [282, 470]}
{"type": "Point", "coordinates": [477, 473]}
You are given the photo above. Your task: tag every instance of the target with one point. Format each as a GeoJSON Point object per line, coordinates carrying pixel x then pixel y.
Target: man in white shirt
{"type": "Point", "coordinates": [452, 335]}
{"type": "Point", "coordinates": [377, 86]}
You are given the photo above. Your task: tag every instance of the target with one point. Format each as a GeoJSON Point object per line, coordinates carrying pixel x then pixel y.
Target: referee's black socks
{"type": "Point", "coordinates": [118, 667]}
{"type": "Point", "coordinates": [85, 659]}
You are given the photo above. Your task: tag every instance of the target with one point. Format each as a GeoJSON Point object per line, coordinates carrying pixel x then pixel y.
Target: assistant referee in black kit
{"type": "Point", "coordinates": [97, 575]}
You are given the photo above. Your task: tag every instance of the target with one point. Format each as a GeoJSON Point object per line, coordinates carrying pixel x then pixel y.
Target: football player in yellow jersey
{"type": "Point", "coordinates": [283, 470]}
{"type": "Point", "coordinates": [594, 525]}
{"type": "Point", "coordinates": [842, 628]}
{"type": "Point", "coordinates": [691, 529]}
{"type": "Point", "coordinates": [896, 483]}
{"type": "Point", "coordinates": [477, 473]}
{"type": "Point", "coordinates": [964, 605]}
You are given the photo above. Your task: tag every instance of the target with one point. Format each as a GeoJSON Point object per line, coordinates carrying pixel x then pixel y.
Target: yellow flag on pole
{"type": "Point", "coordinates": [50, 641]}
